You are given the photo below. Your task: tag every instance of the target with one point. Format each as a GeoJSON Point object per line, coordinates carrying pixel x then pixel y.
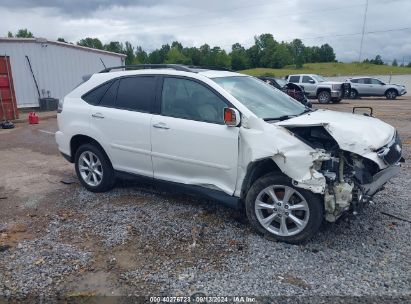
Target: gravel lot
{"type": "Point", "coordinates": [60, 240]}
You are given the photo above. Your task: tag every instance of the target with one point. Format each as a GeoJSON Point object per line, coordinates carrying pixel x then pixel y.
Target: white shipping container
{"type": "Point", "coordinates": [57, 66]}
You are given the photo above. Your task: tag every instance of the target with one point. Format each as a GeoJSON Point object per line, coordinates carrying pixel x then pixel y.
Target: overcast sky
{"type": "Point", "coordinates": [151, 23]}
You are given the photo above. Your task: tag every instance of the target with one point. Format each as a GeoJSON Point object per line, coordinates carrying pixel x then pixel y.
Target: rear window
{"type": "Point", "coordinates": [294, 79]}
{"type": "Point", "coordinates": [354, 80]}
{"type": "Point", "coordinates": [94, 96]}
{"type": "Point", "coordinates": [136, 93]}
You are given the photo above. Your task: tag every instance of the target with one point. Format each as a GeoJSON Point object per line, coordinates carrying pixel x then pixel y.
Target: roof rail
{"type": "Point", "coordinates": [177, 67]}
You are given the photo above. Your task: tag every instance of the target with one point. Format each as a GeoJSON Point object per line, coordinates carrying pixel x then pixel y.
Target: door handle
{"type": "Point", "coordinates": [161, 125]}
{"type": "Point", "coordinates": [97, 115]}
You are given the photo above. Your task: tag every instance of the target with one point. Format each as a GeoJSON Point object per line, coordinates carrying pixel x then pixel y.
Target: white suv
{"type": "Point", "coordinates": [231, 137]}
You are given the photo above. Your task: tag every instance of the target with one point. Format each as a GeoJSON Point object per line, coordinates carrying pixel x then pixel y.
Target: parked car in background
{"type": "Point", "coordinates": [228, 136]}
{"type": "Point", "coordinates": [315, 86]}
{"type": "Point", "coordinates": [291, 89]}
{"type": "Point", "coordinates": [367, 86]}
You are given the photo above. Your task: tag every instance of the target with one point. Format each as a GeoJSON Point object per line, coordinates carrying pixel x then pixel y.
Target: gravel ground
{"type": "Point", "coordinates": [139, 240]}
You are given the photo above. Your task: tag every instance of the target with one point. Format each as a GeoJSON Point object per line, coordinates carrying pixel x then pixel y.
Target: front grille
{"type": "Point", "coordinates": [391, 153]}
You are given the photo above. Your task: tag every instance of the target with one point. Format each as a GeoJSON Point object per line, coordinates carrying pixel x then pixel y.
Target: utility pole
{"type": "Point", "coordinates": [363, 29]}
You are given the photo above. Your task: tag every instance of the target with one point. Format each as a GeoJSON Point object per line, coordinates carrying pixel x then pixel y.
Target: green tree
{"type": "Point", "coordinates": [115, 47]}
{"type": "Point", "coordinates": [174, 55]}
{"type": "Point", "coordinates": [297, 50]}
{"type": "Point", "coordinates": [194, 54]}
{"type": "Point", "coordinates": [93, 43]}
{"type": "Point", "coordinates": [395, 63]}
{"type": "Point", "coordinates": [61, 40]}
{"type": "Point", "coordinates": [141, 55]}
{"type": "Point", "coordinates": [326, 53]}
{"type": "Point", "coordinates": [129, 51]}
{"type": "Point", "coordinates": [10, 35]}
{"type": "Point", "coordinates": [24, 33]}
{"type": "Point", "coordinates": [377, 60]}
{"type": "Point", "coordinates": [239, 58]}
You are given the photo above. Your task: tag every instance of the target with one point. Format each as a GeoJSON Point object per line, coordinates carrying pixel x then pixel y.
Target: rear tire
{"type": "Point", "coordinates": [391, 94]}
{"type": "Point", "coordinates": [93, 168]}
{"type": "Point", "coordinates": [302, 212]}
{"type": "Point", "coordinates": [324, 97]}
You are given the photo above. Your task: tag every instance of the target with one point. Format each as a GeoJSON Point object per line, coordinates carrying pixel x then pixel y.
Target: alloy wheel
{"type": "Point", "coordinates": [90, 168]}
{"type": "Point", "coordinates": [282, 210]}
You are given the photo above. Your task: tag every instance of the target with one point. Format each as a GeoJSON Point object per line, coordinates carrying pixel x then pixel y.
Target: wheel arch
{"type": "Point", "coordinates": [391, 89]}
{"type": "Point", "coordinates": [319, 90]}
{"type": "Point", "coordinates": [80, 139]}
{"type": "Point", "coordinates": [255, 170]}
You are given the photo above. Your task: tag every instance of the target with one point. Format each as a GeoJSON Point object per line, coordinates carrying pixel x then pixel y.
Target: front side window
{"type": "Point", "coordinates": [136, 93]}
{"type": "Point", "coordinates": [319, 78]}
{"type": "Point", "coordinates": [306, 79]}
{"type": "Point", "coordinates": [375, 81]}
{"type": "Point", "coordinates": [187, 99]}
{"type": "Point", "coordinates": [261, 99]}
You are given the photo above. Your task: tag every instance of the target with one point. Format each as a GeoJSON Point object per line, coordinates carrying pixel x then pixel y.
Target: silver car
{"type": "Point", "coordinates": [366, 86]}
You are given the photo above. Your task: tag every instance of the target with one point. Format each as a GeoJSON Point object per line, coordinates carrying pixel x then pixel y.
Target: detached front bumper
{"type": "Point", "coordinates": [380, 179]}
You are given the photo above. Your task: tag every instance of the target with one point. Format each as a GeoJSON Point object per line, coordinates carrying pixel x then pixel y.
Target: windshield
{"type": "Point", "coordinates": [319, 78]}
{"type": "Point", "coordinates": [260, 98]}
{"type": "Point", "coordinates": [281, 82]}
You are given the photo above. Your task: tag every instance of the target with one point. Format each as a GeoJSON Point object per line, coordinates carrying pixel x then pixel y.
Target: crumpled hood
{"type": "Point", "coordinates": [355, 133]}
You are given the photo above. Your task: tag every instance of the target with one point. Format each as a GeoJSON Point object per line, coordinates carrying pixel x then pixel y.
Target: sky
{"type": "Point", "coordinates": [151, 23]}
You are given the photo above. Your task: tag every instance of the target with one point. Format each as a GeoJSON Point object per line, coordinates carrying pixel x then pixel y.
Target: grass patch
{"type": "Point", "coordinates": [331, 69]}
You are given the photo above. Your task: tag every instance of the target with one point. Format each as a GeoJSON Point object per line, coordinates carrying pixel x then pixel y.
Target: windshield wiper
{"type": "Point", "coordinates": [284, 117]}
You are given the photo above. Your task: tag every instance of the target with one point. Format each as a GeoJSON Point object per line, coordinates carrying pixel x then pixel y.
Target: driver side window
{"type": "Point", "coordinates": [187, 99]}
{"type": "Point", "coordinates": [307, 79]}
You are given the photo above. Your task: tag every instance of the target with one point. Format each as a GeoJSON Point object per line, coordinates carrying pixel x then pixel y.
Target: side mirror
{"type": "Point", "coordinates": [231, 117]}
{"type": "Point", "coordinates": [311, 81]}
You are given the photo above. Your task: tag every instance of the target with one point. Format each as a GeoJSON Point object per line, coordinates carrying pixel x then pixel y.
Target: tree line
{"type": "Point", "coordinates": [266, 52]}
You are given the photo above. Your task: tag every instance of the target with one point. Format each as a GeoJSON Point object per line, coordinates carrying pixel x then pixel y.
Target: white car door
{"type": "Point", "coordinates": [190, 142]}
{"type": "Point", "coordinates": [121, 123]}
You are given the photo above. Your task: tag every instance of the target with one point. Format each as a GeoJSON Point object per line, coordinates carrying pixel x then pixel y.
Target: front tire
{"type": "Point", "coordinates": [93, 168]}
{"type": "Point", "coordinates": [391, 94]}
{"type": "Point", "coordinates": [353, 94]}
{"type": "Point", "coordinates": [324, 97]}
{"type": "Point", "coordinates": [282, 212]}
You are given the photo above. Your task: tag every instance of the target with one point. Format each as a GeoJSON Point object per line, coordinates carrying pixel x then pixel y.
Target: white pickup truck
{"type": "Point", "coordinates": [315, 86]}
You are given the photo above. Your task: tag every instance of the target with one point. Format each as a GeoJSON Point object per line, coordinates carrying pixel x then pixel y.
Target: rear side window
{"type": "Point", "coordinates": [109, 98]}
{"type": "Point", "coordinates": [93, 97]}
{"type": "Point", "coordinates": [354, 80]}
{"type": "Point", "coordinates": [136, 93]}
{"type": "Point", "coordinates": [294, 79]}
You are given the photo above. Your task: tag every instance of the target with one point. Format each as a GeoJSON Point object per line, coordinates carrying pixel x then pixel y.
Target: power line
{"type": "Point", "coordinates": [363, 29]}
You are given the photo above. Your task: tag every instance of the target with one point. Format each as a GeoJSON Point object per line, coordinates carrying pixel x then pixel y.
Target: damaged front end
{"type": "Point", "coordinates": [351, 179]}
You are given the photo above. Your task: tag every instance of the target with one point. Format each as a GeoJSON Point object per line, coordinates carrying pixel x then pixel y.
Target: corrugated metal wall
{"type": "Point", "coordinates": [58, 69]}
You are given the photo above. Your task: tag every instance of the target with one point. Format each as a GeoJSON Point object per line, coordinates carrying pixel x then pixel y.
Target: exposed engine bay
{"type": "Point", "coordinates": [351, 179]}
